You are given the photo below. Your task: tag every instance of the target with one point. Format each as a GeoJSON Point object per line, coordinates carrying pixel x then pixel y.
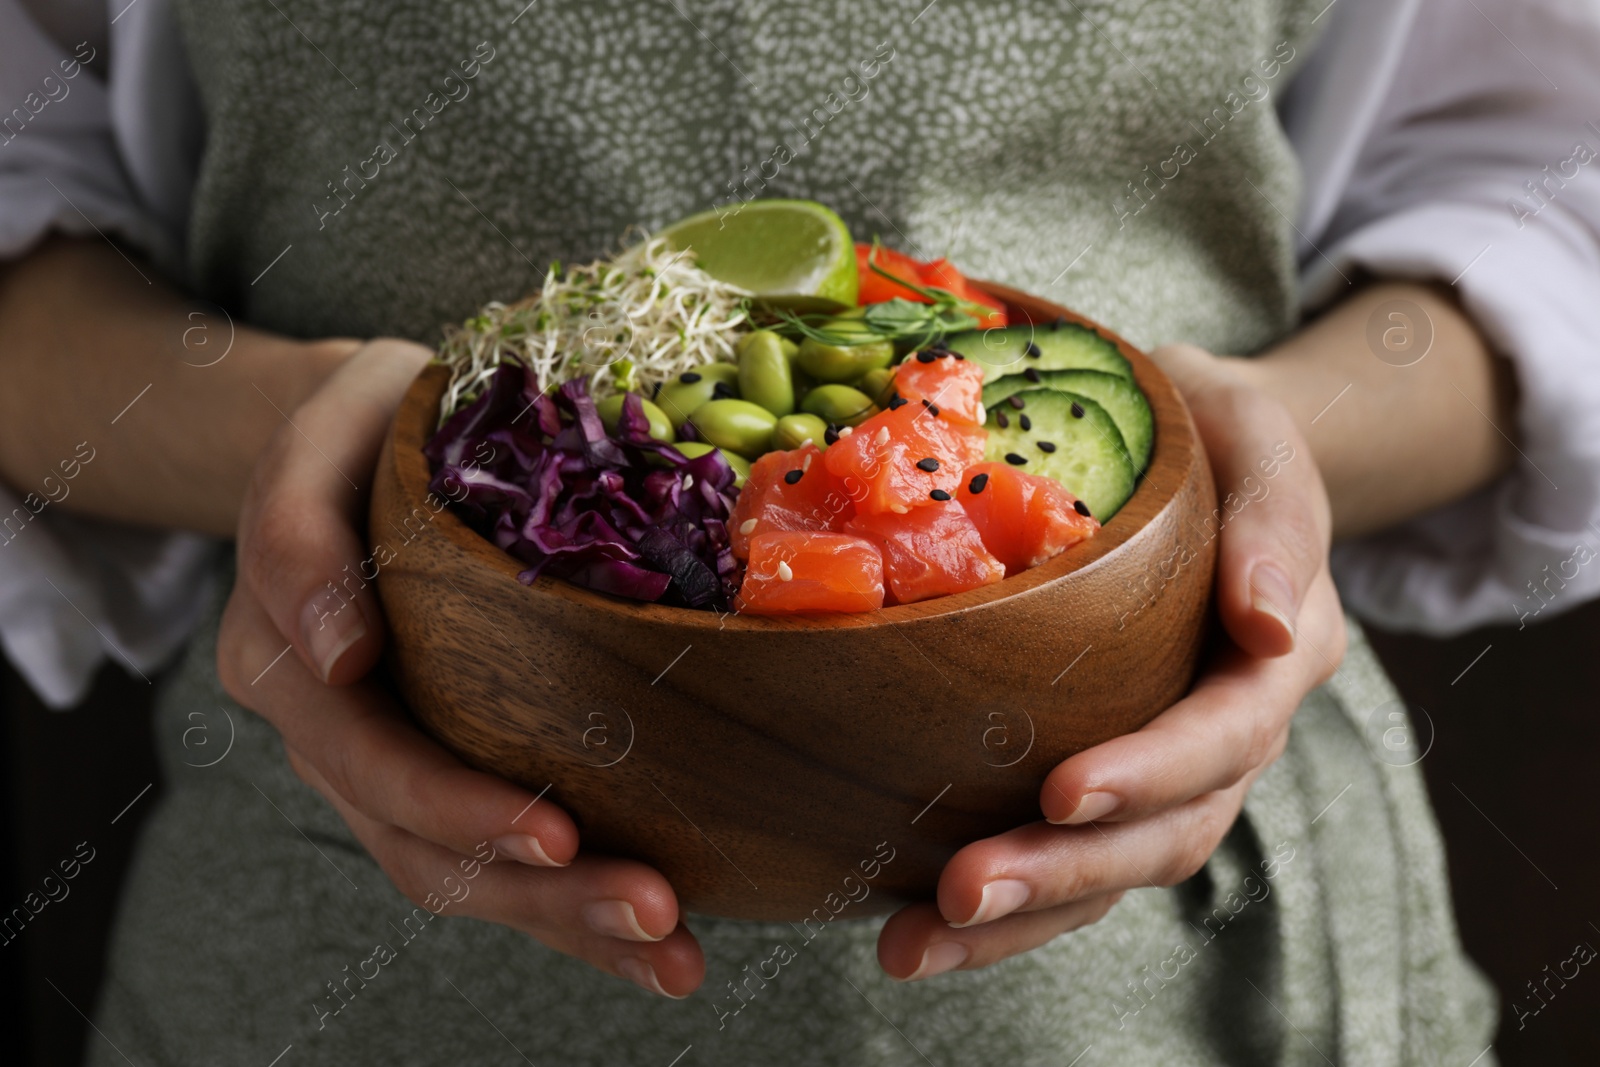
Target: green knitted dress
{"type": "Point", "coordinates": [383, 169]}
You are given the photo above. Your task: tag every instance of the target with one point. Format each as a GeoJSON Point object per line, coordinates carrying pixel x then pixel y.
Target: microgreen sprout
{"type": "Point", "coordinates": [626, 323]}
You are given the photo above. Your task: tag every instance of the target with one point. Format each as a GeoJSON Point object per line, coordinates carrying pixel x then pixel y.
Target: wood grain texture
{"type": "Point", "coordinates": [760, 762]}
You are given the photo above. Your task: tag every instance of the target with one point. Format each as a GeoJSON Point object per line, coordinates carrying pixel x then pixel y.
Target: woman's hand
{"type": "Point", "coordinates": [1149, 808]}
{"type": "Point", "coordinates": [415, 807]}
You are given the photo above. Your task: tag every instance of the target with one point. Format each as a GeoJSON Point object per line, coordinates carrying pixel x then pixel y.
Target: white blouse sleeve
{"type": "Point", "coordinates": [74, 591]}
{"type": "Point", "coordinates": [1479, 166]}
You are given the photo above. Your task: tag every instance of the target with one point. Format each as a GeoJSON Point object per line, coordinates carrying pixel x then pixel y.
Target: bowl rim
{"type": "Point", "coordinates": [1172, 456]}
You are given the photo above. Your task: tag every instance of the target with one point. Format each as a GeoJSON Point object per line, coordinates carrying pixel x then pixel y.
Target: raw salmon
{"type": "Point", "coordinates": [793, 571]}
{"type": "Point", "coordinates": [929, 551]}
{"type": "Point", "coordinates": [1023, 519]}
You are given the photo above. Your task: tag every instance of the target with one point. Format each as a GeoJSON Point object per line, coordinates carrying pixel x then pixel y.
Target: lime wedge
{"type": "Point", "coordinates": [793, 252]}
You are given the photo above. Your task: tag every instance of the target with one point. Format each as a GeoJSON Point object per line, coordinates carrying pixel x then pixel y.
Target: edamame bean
{"type": "Point", "coordinates": [610, 410]}
{"type": "Point", "coordinates": [793, 431]}
{"type": "Point", "coordinates": [735, 426]}
{"type": "Point", "coordinates": [679, 397]}
{"type": "Point", "coordinates": [726, 373]}
{"type": "Point", "coordinates": [764, 374]}
{"type": "Point", "coordinates": [740, 465]}
{"type": "Point", "coordinates": [878, 385]}
{"type": "Point", "coordinates": [696, 449]}
{"type": "Point", "coordinates": [844, 363]}
{"type": "Point", "coordinates": [788, 347]}
{"type": "Point", "coordinates": [839, 405]}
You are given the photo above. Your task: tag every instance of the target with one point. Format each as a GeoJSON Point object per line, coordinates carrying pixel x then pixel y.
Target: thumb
{"type": "Point", "coordinates": [301, 546]}
{"type": "Point", "coordinates": [1272, 516]}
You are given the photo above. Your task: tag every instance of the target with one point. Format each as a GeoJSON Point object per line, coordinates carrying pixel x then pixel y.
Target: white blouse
{"type": "Point", "coordinates": [1448, 140]}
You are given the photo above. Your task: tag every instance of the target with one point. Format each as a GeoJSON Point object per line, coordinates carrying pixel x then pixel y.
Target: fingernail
{"type": "Point", "coordinates": [1000, 898]}
{"type": "Point", "coordinates": [1093, 806]}
{"type": "Point", "coordinates": [643, 975]}
{"type": "Point", "coordinates": [1272, 594]}
{"type": "Point", "coordinates": [615, 918]}
{"type": "Point", "coordinates": [945, 956]}
{"type": "Point", "coordinates": [329, 631]}
{"type": "Point", "coordinates": [524, 848]}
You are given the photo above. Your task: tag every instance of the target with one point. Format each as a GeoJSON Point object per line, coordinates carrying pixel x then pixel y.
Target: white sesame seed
{"type": "Point", "coordinates": [806, 465]}
{"type": "Point", "coordinates": [883, 436]}
{"type": "Point", "coordinates": [846, 431]}
{"type": "Point", "coordinates": [784, 573]}
{"type": "Point", "coordinates": [807, 441]}
{"type": "Point", "coordinates": [983, 414]}
{"type": "Point", "coordinates": [688, 481]}
{"type": "Point", "coordinates": [747, 527]}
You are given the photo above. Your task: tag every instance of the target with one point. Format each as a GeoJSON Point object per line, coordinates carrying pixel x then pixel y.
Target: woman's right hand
{"type": "Point", "coordinates": [417, 809]}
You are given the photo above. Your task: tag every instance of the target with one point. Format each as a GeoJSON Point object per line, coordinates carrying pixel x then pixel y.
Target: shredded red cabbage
{"type": "Point", "coordinates": [538, 475]}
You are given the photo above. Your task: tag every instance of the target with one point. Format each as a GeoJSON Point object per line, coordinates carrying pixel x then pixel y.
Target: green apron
{"type": "Point", "coordinates": [382, 171]}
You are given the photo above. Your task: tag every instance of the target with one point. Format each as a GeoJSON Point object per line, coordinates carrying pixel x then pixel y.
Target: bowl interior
{"type": "Point", "coordinates": [1170, 461]}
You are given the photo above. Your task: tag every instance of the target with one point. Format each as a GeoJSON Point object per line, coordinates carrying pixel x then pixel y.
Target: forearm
{"type": "Point", "coordinates": [82, 336]}
{"type": "Point", "coordinates": [1394, 441]}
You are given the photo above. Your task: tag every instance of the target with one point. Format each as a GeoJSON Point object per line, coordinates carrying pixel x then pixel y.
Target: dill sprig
{"type": "Point", "coordinates": [896, 319]}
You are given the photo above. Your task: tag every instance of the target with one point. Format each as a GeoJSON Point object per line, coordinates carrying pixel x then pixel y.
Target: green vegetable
{"type": "Point", "coordinates": [795, 430]}
{"type": "Point", "coordinates": [735, 426]}
{"type": "Point", "coordinates": [1120, 397]}
{"type": "Point", "coordinates": [765, 377]}
{"type": "Point", "coordinates": [1065, 346]}
{"type": "Point", "coordinates": [858, 351]}
{"type": "Point", "coordinates": [1084, 452]}
{"type": "Point", "coordinates": [839, 405]}
{"type": "Point", "coordinates": [726, 373]}
{"type": "Point", "coordinates": [679, 398]}
{"type": "Point", "coordinates": [610, 410]}
{"type": "Point", "coordinates": [878, 384]}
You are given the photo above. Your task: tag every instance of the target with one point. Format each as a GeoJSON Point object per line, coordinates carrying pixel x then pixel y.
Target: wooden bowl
{"type": "Point", "coordinates": [779, 768]}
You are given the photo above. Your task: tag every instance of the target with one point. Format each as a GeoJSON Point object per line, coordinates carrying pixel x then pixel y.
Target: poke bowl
{"type": "Point", "coordinates": [780, 766]}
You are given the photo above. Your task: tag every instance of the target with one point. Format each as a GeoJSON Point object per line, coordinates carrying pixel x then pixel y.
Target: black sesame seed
{"type": "Point", "coordinates": [958, 355]}
{"type": "Point", "coordinates": [1015, 460]}
{"type": "Point", "coordinates": [897, 402]}
{"type": "Point", "coordinates": [1025, 422]}
{"type": "Point", "coordinates": [940, 495]}
{"type": "Point", "coordinates": [1033, 351]}
{"type": "Point", "coordinates": [794, 476]}
{"type": "Point", "coordinates": [933, 409]}
{"type": "Point", "coordinates": [978, 482]}
{"type": "Point", "coordinates": [930, 464]}
{"type": "Point", "coordinates": [1047, 446]}
{"type": "Point", "coordinates": [688, 377]}
{"type": "Point", "coordinates": [1000, 417]}
{"type": "Point", "coordinates": [656, 391]}
{"type": "Point", "coordinates": [1081, 508]}
{"type": "Point", "coordinates": [831, 435]}
{"type": "Point", "coordinates": [941, 353]}
{"type": "Point", "coordinates": [722, 391]}
{"type": "Point", "coordinates": [1077, 410]}
{"type": "Point", "coordinates": [926, 357]}
{"type": "Point", "coordinates": [1032, 375]}
{"type": "Point", "coordinates": [1016, 401]}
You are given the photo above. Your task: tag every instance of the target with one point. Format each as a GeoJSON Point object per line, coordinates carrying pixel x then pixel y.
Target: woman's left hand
{"type": "Point", "coordinates": [1149, 808]}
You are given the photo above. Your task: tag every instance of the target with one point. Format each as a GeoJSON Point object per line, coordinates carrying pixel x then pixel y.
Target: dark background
{"type": "Point", "coordinates": [1518, 734]}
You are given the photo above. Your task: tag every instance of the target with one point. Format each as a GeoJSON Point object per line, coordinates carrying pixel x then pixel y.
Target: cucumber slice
{"type": "Point", "coordinates": [1066, 346]}
{"type": "Point", "coordinates": [1089, 458]}
{"type": "Point", "coordinates": [1122, 399]}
